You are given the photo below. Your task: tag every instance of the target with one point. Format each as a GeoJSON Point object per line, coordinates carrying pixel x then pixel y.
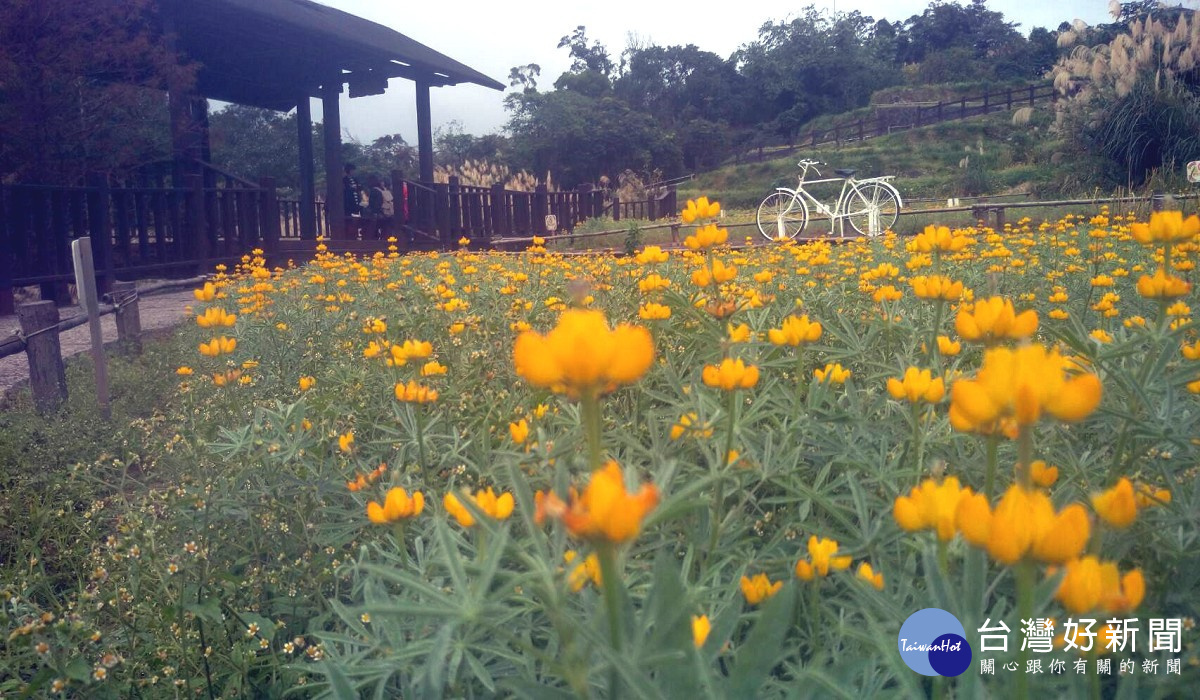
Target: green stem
{"type": "Point", "coordinates": [1025, 456]}
{"type": "Point", "coordinates": [419, 418]}
{"type": "Point", "coordinates": [398, 532]}
{"type": "Point", "coordinates": [610, 581]}
{"type": "Point", "coordinates": [918, 441]}
{"type": "Point", "coordinates": [814, 612]}
{"type": "Point", "coordinates": [593, 429]}
{"type": "Point", "coordinates": [943, 558]}
{"type": "Point", "coordinates": [1025, 581]}
{"type": "Point", "coordinates": [719, 488]}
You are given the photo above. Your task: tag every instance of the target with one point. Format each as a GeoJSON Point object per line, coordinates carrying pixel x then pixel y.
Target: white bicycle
{"type": "Point", "coordinates": [871, 205]}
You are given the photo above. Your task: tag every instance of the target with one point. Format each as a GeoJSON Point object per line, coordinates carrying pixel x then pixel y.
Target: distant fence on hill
{"type": "Point", "coordinates": [903, 116]}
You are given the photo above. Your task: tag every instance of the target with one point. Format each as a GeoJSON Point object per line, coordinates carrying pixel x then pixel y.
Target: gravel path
{"type": "Point", "coordinates": [157, 311]}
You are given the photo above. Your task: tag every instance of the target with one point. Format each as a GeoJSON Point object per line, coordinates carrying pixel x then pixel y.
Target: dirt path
{"type": "Point", "coordinates": [157, 311]}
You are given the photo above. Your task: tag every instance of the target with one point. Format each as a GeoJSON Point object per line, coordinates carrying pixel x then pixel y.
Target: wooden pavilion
{"type": "Point", "coordinates": [279, 54]}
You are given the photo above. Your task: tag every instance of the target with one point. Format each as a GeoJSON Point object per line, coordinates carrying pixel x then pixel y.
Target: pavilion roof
{"type": "Point", "coordinates": [267, 53]}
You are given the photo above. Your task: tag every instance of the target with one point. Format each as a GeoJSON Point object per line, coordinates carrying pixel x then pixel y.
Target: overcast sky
{"type": "Point", "coordinates": [492, 37]}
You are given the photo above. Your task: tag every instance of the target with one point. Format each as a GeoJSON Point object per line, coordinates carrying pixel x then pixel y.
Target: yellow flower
{"type": "Point", "coordinates": [184, 371]}
{"type": "Point", "coordinates": [833, 373]}
{"type": "Point", "coordinates": [218, 346]}
{"type": "Point", "coordinates": [606, 511]}
{"type": "Point", "coordinates": [346, 441]}
{"type": "Point", "coordinates": [651, 311]}
{"type": "Point", "coordinates": [307, 383]}
{"type": "Point", "coordinates": [689, 422]}
{"type": "Point", "coordinates": [931, 506]}
{"type": "Point", "coordinates": [1100, 335]}
{"type": "Point", "coordinates": [215, 316]}
{"type": "Point", "coordinates": [464, 241]}
{"type": "Point", "coordinates": [580, 574]}
{"type": "Point", "coordinates": [939, 238]}
{"type": "Point", "coordinates": [821, 559]}
{"type": "Point", "coordinates": [937, 287]}
{"type": "Point", "coordinates": [397, 506]}
{"type": "Point", "coordinates": [759, 588]}
{"type": "Point", "coordinates": [887, 293]}
{"type": "Point", "coordinates": [1023, 523]}
{"type": "Point", "coordinates": [866, 573]}
{"type": "Point", "coordinates": [519, 431]}
{"type": "Point", "coordinates": [411, 350]}
{"type": "Point", "coordinates": [706, 237]}
{"type": "Point", "coordinates": [653, 283]}
{"type": "Point", "coordinates": [1043, 475]}
{"type": "Point", "coordinates": [207, 293]}
{"type": "Point", "coordinates": [700, 629]}
{"type": "Point", "coordinates": [1090, 583]}
{"type": "Point", "coordinates": [412, 392]}
{"type": "Point", "coordinates": [947, 347]}
{"type": "Point", "coordinates": [652, 254]}
{"type": "Point", "coordinates": [994, 319]}
{"type": "Point", "coordinates": [731, 374]}
{"type": "Point", "coordinates": [1190, 352]}
{"type": "Point", "coordinates": [1162, 286]}
{"type": "Point", "coordinates": [699, 209]}
{"type": "Point", "coordinates": [1166, 227]}
{"type": "Point", "coordinates": [739, 334]}
{"type": "Point", "coordinates": [917, 385]}
{"type": "Point", "coordinates": [794, 331]}
{"type": "Point", "coordinates": [432, 368]}
{"type": "Point", "coordinates": [1117, 506]}
{"type": "Point", "coordinates": [495, 507]}
{"type": "Point", "coordinates": [582, 356]}
{"type": "Point", "coordinates": [1021, 384]}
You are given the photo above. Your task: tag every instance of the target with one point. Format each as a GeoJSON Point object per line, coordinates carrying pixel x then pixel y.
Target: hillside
{"type": "Point", "coordinates": [982, 155]}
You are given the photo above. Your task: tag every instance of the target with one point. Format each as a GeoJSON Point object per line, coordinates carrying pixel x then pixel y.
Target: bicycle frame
{"type": "Point", "coordinates": [835, 214]}
{"type": "Point", "coordinates": [858, 202]}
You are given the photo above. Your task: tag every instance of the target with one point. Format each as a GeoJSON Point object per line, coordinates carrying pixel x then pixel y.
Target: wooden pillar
{"type": "Point", "coordinates": [424, 132]}
{"type": "Point", "coordinates": [100, 231]}
{"type": "Point", "coordinates": [335, 206]}
{"type": "Point", "coordinates": [268, 215]}
{"type": "Point", "coordinates": [128, 317]}
{"type": "Point", "coordinates": [47, 380]}
{"type": "Point", "coordinates": [308, 200]}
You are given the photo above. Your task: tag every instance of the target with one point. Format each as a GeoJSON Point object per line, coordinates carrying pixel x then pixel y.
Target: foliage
{"type": "Point", "coordinates": [238, 558]}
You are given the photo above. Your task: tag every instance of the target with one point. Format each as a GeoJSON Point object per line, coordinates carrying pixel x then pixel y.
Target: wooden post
{"type": "Point", "coordinates": [85, 283]}
{"type": "Point", "coordinates": [499, 218]}
{"type": "Point", "coordinates": [335, 205]}
{"type": "Point", "coordinates": [939, 111]}
{"type": "Point", "coordinates": [986, 97]}
{"type": "Point", "coordinates": [541, 207]}
{"type": "Point", "coordinates": [197, 216]}
{"type": "Point", "coordinates": [129, 318]}
{"type": "Point", "coordinates": [1030, 95]}
{"type": "Point", "coordinates": [962, 111]}
{"type": "Point", "coordinates": [268, 214]}
{"type": "Point", "coordinates": [454, 212]}
{"type": "Point", "coordinates": [616, 207]}
{"type": "Point", "coordinates": [308, 206]}
{"type": "Point", "coordinates": [860, 129]}
{"type": "Point", "coordinates": [424, 131]}
{"type": "Point", "coordinates": [47, 379]}
{"type": "Point", "coordinates": [441, 211]}
{"type": "Point", "coordinates": [1008, 99]}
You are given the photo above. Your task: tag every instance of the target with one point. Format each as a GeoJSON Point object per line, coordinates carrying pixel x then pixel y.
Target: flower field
{"type": "Point", "coordinates": [712, 472]}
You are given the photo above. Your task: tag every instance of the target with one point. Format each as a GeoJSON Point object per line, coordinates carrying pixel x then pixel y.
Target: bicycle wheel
{"type": "Point", "coordinates": [781, 215]}
{"type": "Point", "coordinates": [872, 209]}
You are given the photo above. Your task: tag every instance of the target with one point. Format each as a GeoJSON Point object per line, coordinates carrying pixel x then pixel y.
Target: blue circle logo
{"type": "Point", "coordinates": [934, 643]}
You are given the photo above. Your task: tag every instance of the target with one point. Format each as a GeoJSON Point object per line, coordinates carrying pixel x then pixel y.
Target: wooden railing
{"type": "Point", "coordinates": [900, 117]}
{"type": "Point", "coordinates": [137, 232]}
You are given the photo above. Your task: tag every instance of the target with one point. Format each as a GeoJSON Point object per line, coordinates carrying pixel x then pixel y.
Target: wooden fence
{"type": "Point", "coordinates": [900, 117]}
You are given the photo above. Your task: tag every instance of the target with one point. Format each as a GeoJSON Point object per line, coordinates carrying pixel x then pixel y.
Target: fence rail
{"type": "Point", "coordinates": [900, 117]}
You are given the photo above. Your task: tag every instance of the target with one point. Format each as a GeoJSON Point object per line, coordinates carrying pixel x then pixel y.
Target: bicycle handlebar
{"type": "Point", "coordinates": [807, 163]}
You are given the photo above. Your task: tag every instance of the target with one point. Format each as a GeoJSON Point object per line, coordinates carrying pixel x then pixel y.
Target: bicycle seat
{"type": "Point", "coordinates": [844, 173]}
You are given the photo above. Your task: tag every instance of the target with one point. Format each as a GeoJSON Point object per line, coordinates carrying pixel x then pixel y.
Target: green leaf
{"type": "Point", "coordinates": [762, 649]}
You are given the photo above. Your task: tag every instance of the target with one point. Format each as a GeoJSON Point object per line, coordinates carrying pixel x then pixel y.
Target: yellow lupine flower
{"type": "Point", "coordinates": [412, 392]}
{"type": "Point", "coordinates": [866, 573]}
{"type": "Point", "coordinates": [396, 506]}
{"type": "Point", "coordinates": [739, 334]}
{"type": "Point", "coordinates": [931, 506]}
{"type": "Point", "coordinates": [346, 441]}
{"type": "Point", "coordinates": [759, 588]}
{"type": "Point", "coordinates": [218, 346]}
{"type": "Point", "coordinates": [1023, 523]}
{"type": "Point", "coordinates": [701, 628]}
{"type": "Point", "coordinates": [1043, 475]}
{"type": "Point", "coordinates": [206, 293]}
{"type": "Point", "coordinates": [307, 383]}
{"type": "Point", "coordinates": [184, 371]}
{"type": "Point", "coordinates": [580, 574]}
{"type": "Point", "coordinates": [937, 287]}
{"type": "Point", "coordinates": [730, 374]}
{"type": "Point", "coordinates": [705, 237]}
{"type": "Point", "coordinates": [653, 283]}
{"type": "Point", "coordinates": [519, 431]}
{"type": "Point", "coordinates": [652, 254]}
{"type": "Point", "coordinates": [689, 422]}
{"type": "Point", "coordinates": [1090, 584]}
{"type": "Point", "coordinates": [917, 385]}
{"type": "Point", "coordinates": [887, 293]}
{"type": "Point", "coordinates": [1190, 352]}
{"type": "Point", "coordinates": [606, 511]}
{"type": "Point", "coordinates": [651, 311]}
{"type": "Point", "coordinates": [821, 559]}
{"type": "Point", "coordinates": [795, 330]}
{"type": "Point", "coordinates": [433, 368]}
{"type": "Point", "coordinates": [833, 373]}
{"type": "Point", "coordinates": [1162, 286]}
{"type": "Point", "coordinates": [1021, 384]}
{"type": "Point", "coordinates": [1166, 227]}
{"type": "Point", "coordinates": [947, 347]}
{"type": "Point", "coordinates": [994, 319]}
{"type": "Point", "coordinates": [939, 238]}
{"type": "Point", "coordinates": [215, 316]}
{"type": "Point", "coordinates": [699, 209]}
{"type": "Point", "coordinates": [495, 507]}
{"type": "Point", "coordinates": [1117, 506]}
{"type": "Point", "coordinates": [581, 355]}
